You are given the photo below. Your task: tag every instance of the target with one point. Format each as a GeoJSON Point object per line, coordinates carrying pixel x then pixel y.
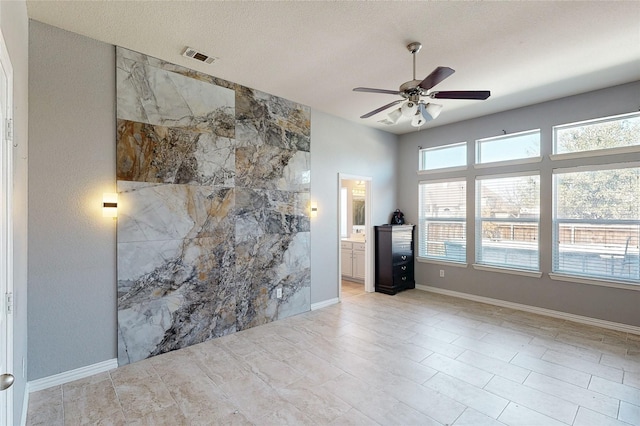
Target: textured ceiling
{"type": "Point", "coordinates": [315, 53]}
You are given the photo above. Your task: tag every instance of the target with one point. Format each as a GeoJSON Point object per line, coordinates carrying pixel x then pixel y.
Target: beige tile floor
{"type": "Point", "coordinates": [350, 289]}
{"type": "Point", "coordinates": [412, 359]}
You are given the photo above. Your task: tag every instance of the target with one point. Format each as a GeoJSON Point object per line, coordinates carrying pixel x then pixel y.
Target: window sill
{"type": "Point", "coordinates": [441, 262]}
{"type": "Point", "coordinates": [443, 170]}
{"type": "Point", "coordinates": [522, 272]}
{"type": "Point", "coordinates": [595, 153]}
{"type": "Point", "coordinates": [508, 163]}
{"type": "Point", "coordinates": [594, 281]}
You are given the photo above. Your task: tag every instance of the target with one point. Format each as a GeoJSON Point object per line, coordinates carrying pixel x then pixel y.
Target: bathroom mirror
{"type": "Point", "coordinates": [358, 211]}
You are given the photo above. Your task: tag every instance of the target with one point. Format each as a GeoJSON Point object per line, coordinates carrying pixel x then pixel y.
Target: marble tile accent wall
{"type": "Point", "coordinates": [213, 181]}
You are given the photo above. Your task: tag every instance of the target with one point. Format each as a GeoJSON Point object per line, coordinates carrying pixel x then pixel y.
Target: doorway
{"type": "Point", "coordinates": [6, 236]}
{"type": "Point", "coordinates": [355, 237]}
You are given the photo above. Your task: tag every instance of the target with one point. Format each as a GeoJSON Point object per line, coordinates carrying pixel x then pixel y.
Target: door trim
{"type": "Point", "coordinates": [368, 224]}
{"type": "Point", "coordinates": [6, 216]}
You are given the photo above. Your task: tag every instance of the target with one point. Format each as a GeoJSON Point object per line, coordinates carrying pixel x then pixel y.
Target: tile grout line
{"type": "Point", "coordinates": [115, 390]}
{"type": "Point", "coordinates": [503, 410]}
{"type": "Point", "coordinates": [578, 404]}
{"type": "Point", "coordinates": [576, 413]}
{"type": "Point", "coordinates": [597, 363]}
{"type": "Point", "coordinates": [62, 404]}
{"type": "Point", "coordinates": [169, 390]}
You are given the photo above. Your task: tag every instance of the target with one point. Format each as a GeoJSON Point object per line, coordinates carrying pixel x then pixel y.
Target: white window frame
{"type": "Point", "coordinates": [422, 151]}
{"type": "Point", "coordinates": [478, 220]}
{"type": "Point", "coordinates": [609, 280]}
{"type": "Point", "coordinates": [594, 152]}
{"type": "Point", "coordinates": [423, 221]}
{"type": "Point", "coordinates": [520, 160]}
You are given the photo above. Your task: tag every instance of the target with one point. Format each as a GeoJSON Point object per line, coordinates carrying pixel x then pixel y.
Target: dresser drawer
{"type": "Point", "coordinates": [346, 245]}
{"type": "Point", "coordinates": [402, 258]}
{"type": "Point", "coordinates": [403, 269]}
{"type": "Point", "coordinates": [402, 280]}
{"type": "Point", "coordinates": [402, 247]}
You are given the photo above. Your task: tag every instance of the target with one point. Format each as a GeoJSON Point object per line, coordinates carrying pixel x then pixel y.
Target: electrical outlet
{"type": "Point", "coordinates": [441, 273]}
{"type": "Point", "coordinates": [279, 293]}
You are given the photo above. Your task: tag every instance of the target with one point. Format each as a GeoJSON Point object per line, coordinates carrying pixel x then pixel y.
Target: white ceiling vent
{"type": "Point", "coordinates": [190, 52]}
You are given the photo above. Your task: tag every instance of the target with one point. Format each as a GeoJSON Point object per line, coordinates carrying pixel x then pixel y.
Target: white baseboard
{"type": "Point", "coordinates": [534, 309]}
{"type": "Point", "coordinates": [324, 304]}
{"type": "Point", "coordinates": [25, 405]}
{"type": "Point", "coordinates": [70, 376]}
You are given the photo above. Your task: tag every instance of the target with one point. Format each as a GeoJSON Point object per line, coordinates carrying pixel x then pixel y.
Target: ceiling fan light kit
{"type": "Point", "coordinates": [418, 120]}
{"type": "Point", "coordinates": [412, 91]}
{"type": "Point", "coordinates": [395, 115]}
{"type": "Point", "coordinates": [425, 113]}
{"type": "Point", "coordinates": [409, 109]}
{"type": "Point", "coordinates": [432, 111]}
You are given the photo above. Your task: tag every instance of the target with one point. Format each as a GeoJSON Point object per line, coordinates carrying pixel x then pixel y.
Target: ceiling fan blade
{"type": "Point", "coordinates": [479, 95]}
{"type": "Point", "coordinates": [382, 108]}
{"type": "Point", "coordinates": [436, 77]}
{"type": "Point", "coordinates": [370, 90]}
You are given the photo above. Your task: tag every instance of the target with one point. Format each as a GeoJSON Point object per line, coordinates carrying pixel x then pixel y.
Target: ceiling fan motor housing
{"type": "Point", "coordinates": [411, 90]}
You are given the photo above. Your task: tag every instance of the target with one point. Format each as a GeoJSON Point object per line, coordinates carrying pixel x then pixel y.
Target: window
{"type": "Point", "coordinates": [597, 221]}
{"type": "Point", "coordinates": [447, 156]}
{"type": "Point", "coordinates": [591, 207]}
{"type": "Point", "coordinates": [507, 221]}
{"type": "Point", "coordinates": [604, 133]}
{"type": "Point", "coordinates": [442, 224]}
{"type": "Point", "coordinates": [515, 146]}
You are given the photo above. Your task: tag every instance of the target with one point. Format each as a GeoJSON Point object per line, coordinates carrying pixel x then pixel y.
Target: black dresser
{"type": "Point", "coordinates": [394, 258]}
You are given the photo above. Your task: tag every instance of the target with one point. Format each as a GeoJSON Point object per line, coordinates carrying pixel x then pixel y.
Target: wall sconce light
{"type": "Point", "coordinates": [314, 209]}
{"type": "Point", "coordinates": [110, 205]}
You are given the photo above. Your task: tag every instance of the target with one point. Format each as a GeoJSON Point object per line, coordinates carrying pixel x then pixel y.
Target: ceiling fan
{"type": "Point", "coordinates": [412, 92]}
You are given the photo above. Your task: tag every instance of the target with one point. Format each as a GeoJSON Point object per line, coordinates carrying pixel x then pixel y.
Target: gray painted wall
{"type": "Point", "coordinates": [611, 304]}
{"type": "Point", "coordinates": [72, 289]}
{"type": "Point", "coordinates": [72, 263]}
{"type": "Point", "coordinates": [340, 146]}
{"type": "Point", "coordinates": [15, 29]}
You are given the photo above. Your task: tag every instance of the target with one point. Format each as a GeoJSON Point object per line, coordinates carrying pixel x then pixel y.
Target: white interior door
{"type": "Point", "coordinates": [6, 239]}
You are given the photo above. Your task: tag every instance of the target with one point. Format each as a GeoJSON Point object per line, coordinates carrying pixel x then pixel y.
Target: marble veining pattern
{"type": "Point", "coordinates": [213, 181]}
{"type": "Point", "coordinates": [155, 96]}
{"type": "Point", "coordinates": [267, 119]}
{"type": "Point", "coordinates": [149, 153]}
